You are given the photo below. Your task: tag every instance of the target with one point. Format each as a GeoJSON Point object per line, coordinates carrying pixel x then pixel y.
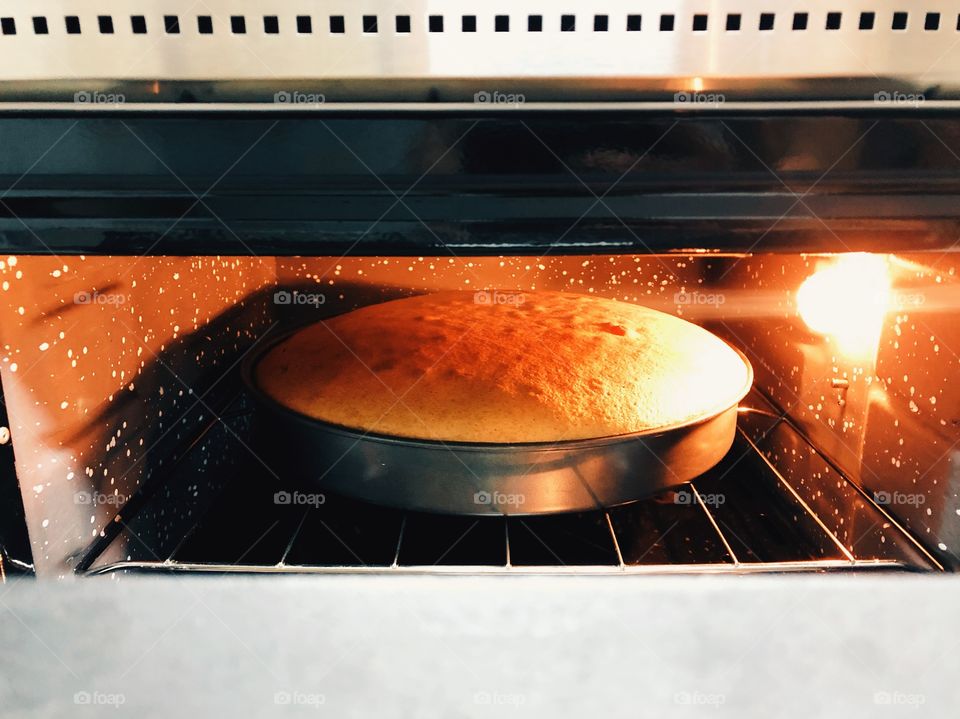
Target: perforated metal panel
{"type": "Point", "coordinates": [457, 49]}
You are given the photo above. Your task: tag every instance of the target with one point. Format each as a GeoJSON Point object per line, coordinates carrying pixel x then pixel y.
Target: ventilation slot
{"type": "Point", "coordinates": [403, 24]}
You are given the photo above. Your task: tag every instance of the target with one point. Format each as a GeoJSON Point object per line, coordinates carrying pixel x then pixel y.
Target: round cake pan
{"type": "Point", "coordinates": [482, 478]}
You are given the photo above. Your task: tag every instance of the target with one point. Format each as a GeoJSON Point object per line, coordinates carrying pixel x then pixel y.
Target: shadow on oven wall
{"type": "Point", "coordinates": [109, 365]}
{"type": "Point", "coordinates": [113, 367]}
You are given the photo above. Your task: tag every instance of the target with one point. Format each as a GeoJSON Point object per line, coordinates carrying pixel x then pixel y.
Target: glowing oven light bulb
{"type": "Point", "coordinates": [847, 301]}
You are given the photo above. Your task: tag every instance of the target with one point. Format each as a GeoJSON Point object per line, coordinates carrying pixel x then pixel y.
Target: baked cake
{"type": "Point", "coordinates": [504, 367]}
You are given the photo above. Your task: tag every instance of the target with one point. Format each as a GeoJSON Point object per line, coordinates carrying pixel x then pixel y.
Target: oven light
{"type": "Point", "coordinates": [847, 301]}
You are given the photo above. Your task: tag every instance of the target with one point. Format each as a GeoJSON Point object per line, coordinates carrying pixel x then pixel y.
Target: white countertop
{"type": "Point", "coordinates": [345, 646]}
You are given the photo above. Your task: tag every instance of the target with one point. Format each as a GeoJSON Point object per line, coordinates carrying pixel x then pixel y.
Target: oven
{"type": "Point", "coordinates": [180, 186]}
{"type": "Point", "coordinates": [157, 233]}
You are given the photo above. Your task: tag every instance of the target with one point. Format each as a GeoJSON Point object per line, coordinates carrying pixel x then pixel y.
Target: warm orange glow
{"type": "Point", "coordinates": [697, 84]}
{"type": "Point", "coordinates": [847, 300]}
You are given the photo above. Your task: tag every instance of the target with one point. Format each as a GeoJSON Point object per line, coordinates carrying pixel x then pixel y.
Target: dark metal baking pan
{"type": "Point", "coordinates": [484, 478]}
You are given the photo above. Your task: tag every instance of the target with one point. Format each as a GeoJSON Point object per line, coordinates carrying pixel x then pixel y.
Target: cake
{"type": "Point", "coordinates": [504, 368]}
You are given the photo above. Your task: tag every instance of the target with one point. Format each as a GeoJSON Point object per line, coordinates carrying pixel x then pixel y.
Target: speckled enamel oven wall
{"type": "Point", "coordinates": [107, 362]}
{"type": "Point", "coordinates": [886, 414]}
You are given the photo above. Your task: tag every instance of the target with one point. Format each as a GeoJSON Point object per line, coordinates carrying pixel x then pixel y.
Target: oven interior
{"type": "Point", "coordinates": [152, 448]}
{"type": "Point", "coordinates": [134, 285]}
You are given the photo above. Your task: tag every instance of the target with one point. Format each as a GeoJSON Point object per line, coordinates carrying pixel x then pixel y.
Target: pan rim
{"type": "Point", "coordinates": [254, 356]}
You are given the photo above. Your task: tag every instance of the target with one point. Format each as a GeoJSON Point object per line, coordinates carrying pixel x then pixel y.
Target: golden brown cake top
{"type": "Point", "coordinates": [542, 366]}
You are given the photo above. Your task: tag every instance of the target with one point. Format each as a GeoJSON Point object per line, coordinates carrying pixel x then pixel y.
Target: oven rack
{"type": "Point", "coordinates": [763, 525]}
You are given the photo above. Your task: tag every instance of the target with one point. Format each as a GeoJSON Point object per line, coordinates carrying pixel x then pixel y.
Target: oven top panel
{"type": "Point", "coordinates": [300, 55]}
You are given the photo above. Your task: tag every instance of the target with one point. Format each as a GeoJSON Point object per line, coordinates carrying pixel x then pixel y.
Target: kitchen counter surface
{"type": "Point", "coordinates": [349, 646]}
